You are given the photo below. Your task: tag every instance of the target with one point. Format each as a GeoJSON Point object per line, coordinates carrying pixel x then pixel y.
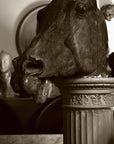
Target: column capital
{"type": "Point", "coordinates": [87, 92]}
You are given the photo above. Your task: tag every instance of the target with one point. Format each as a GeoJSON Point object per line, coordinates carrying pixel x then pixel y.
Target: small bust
{"type": "Point", "coordinates": [108, 11]}
{"type": "Point", "coordinates": [5, 74]}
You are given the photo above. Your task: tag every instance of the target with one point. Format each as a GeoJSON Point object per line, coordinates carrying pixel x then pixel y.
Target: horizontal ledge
{"type": "Point", "coordinates": [110, 107]}
{"type": "Point", "coordinates": [88, 84]}
{"type": "Point", "coordinates": [89, 80]}
{"type": "Point", "coordinates": [87, 91]}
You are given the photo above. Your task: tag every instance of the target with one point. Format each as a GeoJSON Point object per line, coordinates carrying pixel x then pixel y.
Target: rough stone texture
{"type": "Point", "coordinates": [31, 139]}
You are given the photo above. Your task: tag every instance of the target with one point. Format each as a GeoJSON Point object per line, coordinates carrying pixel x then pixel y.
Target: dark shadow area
{"type": "Point", "coordinates": [111, 141]}
{"type": "Point", "coordinates": [9, 123]}
{"type": "Point", "coordinates": [49, 121]}
{"type": "Point", "coordinates": [25, 116]}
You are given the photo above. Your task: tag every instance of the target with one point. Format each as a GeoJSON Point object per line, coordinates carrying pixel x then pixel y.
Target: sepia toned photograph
{"type": "Point", "coordinates": [56, 71]}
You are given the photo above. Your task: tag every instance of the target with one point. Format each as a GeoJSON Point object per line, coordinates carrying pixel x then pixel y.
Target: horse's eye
{"type": "Point", "coordinates": [81, 9]}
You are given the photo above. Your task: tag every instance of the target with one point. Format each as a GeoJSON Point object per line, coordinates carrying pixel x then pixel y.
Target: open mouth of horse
{"type": "Point", "coordinates": [33, 67]}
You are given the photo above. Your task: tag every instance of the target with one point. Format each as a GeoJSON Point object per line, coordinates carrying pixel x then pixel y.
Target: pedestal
{"type": "Point", "coordinates": [88, 114]}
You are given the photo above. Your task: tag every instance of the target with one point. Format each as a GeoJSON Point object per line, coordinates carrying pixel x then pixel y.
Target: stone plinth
{"type": "Point", "coordinates": [88, 114]}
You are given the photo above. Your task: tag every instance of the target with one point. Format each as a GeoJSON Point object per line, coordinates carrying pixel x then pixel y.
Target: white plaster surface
{"type": "Point", "coordinates": [11, 13]}
{"type": "Point", "coordinates": [100, 3]}
{"type": "Point", "coordinates": [110, 25]}
{"type": "Point", "coordinates": [110, 28]}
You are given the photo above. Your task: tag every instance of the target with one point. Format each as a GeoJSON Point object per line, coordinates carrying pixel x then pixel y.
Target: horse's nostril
{"type": "Point", "coordinates": [34, 67]}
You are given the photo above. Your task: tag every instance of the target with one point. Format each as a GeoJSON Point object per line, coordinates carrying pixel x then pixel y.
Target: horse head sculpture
{"type": "Point", "coordinates": [71, 40]}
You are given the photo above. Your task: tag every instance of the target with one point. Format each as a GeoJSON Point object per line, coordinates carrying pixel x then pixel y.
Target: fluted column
{"type": "Point", "coordinates": [88, 117]}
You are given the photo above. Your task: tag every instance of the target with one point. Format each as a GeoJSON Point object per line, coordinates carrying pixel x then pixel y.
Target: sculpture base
{"type": "Point", "coordinates": [88, 114]}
